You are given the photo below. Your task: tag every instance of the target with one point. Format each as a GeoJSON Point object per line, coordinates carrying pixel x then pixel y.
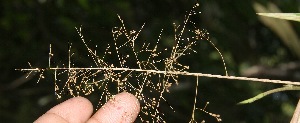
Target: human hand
{"type": "Point", "coordinates": [124, 107]}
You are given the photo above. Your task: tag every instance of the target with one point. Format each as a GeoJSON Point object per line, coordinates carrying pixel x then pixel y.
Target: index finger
{"type": "Point", "coordinates": [74, 110]}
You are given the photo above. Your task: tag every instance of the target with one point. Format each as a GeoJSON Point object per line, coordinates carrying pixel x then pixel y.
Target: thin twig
{"type": "Point", "coordinates": [176, 73]}
{"type": "Point", "coordinates": [296, 116]}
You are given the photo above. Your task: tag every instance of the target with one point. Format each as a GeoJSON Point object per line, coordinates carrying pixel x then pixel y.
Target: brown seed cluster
{"type": "Point", "coordinates": [139, 69]}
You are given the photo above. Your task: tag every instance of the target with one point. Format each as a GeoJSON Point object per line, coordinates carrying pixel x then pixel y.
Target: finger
{"type": "Point", "coordinates": [124, 107]}
{"type": "Point", "coordinates": [74, 110]}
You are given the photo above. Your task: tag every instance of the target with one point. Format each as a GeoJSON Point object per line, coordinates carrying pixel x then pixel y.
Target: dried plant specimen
{"type": "Point", "coordinates": [140, 71]}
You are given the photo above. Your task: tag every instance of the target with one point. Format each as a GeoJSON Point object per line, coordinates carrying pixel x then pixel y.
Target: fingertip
{"type": "Point", "coordinates": [75, 110]}
{"type": "Point", "coordinates": [124, 107]}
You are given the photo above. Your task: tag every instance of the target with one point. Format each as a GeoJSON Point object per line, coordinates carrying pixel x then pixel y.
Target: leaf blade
{"type": "Point", "coordinates": [285, 16]}
{"type": "Point", "coordinates": [261, 95]}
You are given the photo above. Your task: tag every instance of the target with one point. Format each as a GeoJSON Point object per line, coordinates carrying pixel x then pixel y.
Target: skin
{"type": "Point", "coordinates": [123, 108]}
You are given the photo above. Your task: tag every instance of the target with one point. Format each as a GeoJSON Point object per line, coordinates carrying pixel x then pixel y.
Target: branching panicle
{"type": "Point", "coordinates": [137, 70]}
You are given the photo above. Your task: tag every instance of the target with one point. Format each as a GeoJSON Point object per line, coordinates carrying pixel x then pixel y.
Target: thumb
{"type": "Point", "coordinates": [124, 107]}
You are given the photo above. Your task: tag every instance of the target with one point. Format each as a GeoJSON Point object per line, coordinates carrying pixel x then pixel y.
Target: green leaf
{"type": "Point", "coordinates": [285, 16]}
{"type": "Point", "coordinates": [261, 95]}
